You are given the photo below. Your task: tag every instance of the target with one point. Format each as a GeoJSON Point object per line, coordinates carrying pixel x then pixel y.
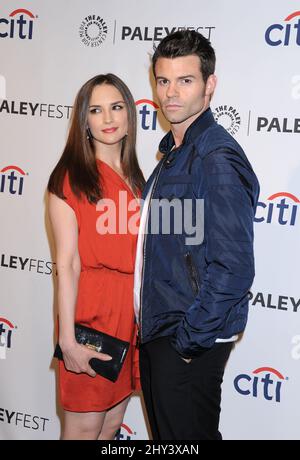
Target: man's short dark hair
{"type": "Point", "coordinates": [186, 43]}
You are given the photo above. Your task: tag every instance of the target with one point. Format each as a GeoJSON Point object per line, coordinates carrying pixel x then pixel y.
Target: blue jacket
{"type": "Point", "coordinates": [197, 293]}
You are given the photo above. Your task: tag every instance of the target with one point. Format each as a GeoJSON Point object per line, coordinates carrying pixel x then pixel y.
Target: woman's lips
{"type": "Point", "coordinates": [109, 130]}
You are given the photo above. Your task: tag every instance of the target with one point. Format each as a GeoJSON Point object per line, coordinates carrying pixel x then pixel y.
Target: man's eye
{"type": "Point", "coordinates": [186, 80]}
{"type": "Point", "coordinates": [162, 82]}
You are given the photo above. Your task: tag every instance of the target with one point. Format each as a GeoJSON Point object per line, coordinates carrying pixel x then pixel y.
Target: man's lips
{"type": "Point", "coordinates": [173, 106]}
{"type": "Point", "coordinates": [109, 130]}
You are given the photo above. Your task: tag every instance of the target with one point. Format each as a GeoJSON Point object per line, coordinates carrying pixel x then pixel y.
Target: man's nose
{"type": "Point", "coordinates": [172, 90]}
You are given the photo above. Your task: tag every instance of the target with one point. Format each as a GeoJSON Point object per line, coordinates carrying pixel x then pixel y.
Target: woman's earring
{"type": "Point", "coordinates": [88, 134]}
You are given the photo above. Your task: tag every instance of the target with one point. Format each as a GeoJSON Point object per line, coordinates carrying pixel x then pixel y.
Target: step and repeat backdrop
{"type": "Point", "coordinates": [47, 51]}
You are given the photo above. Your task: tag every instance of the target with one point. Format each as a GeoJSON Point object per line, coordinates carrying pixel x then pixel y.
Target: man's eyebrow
{"type": "Point", "coordinates": [178, 78]}
{"type": "Point", "coordinates": [186, 76]}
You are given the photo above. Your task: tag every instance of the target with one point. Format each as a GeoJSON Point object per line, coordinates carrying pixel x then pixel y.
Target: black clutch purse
{"type": "Point", "coordinates": [104, 343]}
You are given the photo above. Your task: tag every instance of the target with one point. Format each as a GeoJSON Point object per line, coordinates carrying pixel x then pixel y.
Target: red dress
{"type": "Point", "coordinates": [105, 294]}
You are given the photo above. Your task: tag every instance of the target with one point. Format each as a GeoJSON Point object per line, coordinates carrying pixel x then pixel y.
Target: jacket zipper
{"type": "Point", "coordinates": [144, 247]}
{"type": "Point", "coordinates": [192, 272]}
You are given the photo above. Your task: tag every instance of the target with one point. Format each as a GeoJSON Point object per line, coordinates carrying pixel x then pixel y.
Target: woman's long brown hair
{"type": "Point", "coordinates": [78, 157]}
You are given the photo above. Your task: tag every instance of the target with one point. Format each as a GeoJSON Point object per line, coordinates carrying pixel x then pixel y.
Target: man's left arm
{"type": "Point", "coordinates": [229, 207]}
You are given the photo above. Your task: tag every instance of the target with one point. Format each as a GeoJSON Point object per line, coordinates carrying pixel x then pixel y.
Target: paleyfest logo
{"type": "Point", "coordinates": [93, 31]}
{"type": "Point", "coordinates": [286, 33]}
{"type": "Point", "coordinates": [157, 33]}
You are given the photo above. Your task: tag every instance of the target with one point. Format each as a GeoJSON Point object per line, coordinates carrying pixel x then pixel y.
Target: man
{"type": "Point", "coordinates": [191, 295]}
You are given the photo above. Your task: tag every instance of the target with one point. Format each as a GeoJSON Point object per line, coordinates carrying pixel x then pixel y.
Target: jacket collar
{"type": "Point", "coordinates": [204, 121]}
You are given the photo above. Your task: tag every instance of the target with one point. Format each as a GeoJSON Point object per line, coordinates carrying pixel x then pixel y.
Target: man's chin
{"type": "Point", "coordinates": [175, 122]}
{"type": "Point", "coordinates": [174, 119]}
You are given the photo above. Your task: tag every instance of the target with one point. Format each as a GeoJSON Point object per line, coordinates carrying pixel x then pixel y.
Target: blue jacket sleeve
{"type": "Point", "coordinates": [231, 193]}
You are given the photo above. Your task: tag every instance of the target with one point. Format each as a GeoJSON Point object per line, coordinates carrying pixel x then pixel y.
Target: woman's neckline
{"type": "Point", "coordinates": [117, 174]}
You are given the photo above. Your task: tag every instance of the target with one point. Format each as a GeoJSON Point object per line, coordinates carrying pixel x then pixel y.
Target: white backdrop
{"type": "Point", "coordinates": [47, 51]}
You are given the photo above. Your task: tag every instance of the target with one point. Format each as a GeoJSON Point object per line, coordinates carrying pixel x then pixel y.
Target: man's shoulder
{"type": "Point", "coordinates": [216, 139]}
{"type": "Point", "coordinates": [221, 158]}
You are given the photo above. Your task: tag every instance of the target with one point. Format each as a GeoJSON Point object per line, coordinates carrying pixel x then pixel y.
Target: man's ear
{"type": "Point", "coordinates": [210, 85]}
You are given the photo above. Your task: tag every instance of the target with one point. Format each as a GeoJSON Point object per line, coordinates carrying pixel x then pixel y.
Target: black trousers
{"type": "Point", "coordinates": [182, 399]}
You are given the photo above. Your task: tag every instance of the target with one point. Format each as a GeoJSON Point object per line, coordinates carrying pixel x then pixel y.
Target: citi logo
{"type": "Point", "coordinates": [12, 180]}
{"type": "Point", "coordinates": [281, 34]}
{"type": "Point", "coordinates": [280, 208]}
{"type": "Point", "coordinates": [264, 382]}
{"type": "Point", "coordinates": [6, 330]}
{"type": "Point", "coordinates": [124, 433]}
{"type": "Point", "coordinates": [147, 110]}
{"type": "Point", "coordinates": [19, 24]}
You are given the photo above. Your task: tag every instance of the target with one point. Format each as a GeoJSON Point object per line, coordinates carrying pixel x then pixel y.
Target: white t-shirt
{"type": "Point", "coordinates": [139, 261]}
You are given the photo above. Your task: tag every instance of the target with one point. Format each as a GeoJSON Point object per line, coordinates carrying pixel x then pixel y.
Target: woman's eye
{"type": "Point", "coordinates": [95, 110]}
{"type": "Point", "coordinates": [118, 107]}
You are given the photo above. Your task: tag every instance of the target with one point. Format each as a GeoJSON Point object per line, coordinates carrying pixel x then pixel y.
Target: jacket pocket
{"type": "Point", "coordinates": [193, 273]}
{"type": "Point", "coordinates": [176, 187]}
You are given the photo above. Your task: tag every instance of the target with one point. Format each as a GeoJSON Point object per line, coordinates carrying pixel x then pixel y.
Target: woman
{"type": "Point", "coordinates": [95, 263]}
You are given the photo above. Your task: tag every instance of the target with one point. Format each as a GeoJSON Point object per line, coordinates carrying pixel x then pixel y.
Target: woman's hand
{"type": "Point", "coordinates": [76, 358]}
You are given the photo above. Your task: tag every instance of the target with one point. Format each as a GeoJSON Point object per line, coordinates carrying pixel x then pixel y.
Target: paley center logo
{"type": "Point", "coordinates": [284, 33]}
{"type": "Point", "coordinates": [280, 208]}
{"type": "Point", "coordinates": [12, 180]}
{"type": "Point", "coordinates": [264, 382]}
{"type": "Point", "coordinates": [147, 111]}
{"type": "Point", "coordinates": [228, 117]}
{"type": "Point", "coordinates": [6, 332]}
{"type": "Point", "coordinates": [19, 24]}
{"type": "Point", "coordinates": [93, 30]}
